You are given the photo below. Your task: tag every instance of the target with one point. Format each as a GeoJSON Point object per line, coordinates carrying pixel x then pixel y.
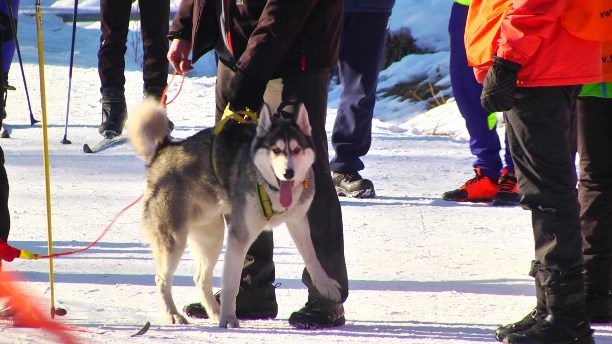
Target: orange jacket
{"type": "Point", "coordinates": [531, 34]}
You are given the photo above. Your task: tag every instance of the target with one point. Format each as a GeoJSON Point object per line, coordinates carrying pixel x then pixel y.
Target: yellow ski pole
{"type": "Point", "coordinates": [43, 102]}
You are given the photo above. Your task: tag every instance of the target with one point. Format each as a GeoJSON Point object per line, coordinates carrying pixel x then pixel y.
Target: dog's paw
{"type": "Point", "coordinates": [229, 322]}
{"type": "Point", "coordinates": [177, 319]}
{"type": "Point", "coordinates": [329, 288]}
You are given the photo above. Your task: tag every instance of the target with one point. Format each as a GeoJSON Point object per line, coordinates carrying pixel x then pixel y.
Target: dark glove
{"type": "Point", "coordinates": [499, 87]}
{"type": "Point", "coordinates": [245, 92]}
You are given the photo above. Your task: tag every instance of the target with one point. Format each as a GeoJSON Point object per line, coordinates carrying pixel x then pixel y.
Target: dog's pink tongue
{"type": "Point", "coordinates": [286, 193]}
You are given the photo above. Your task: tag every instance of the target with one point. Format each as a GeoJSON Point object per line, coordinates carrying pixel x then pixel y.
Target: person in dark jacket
{"type": "Point", "coordinates": [115, 20]}
{"type": "Point", "coordinates": [5, 220]}
{"type": "Point", "coordinates": [8, 42]}
{"type": "Point", "coordinates": [279, 52]}
{"type": "Point", "coordinates": [7, 252]}
{"type": "Point", "coordinates": [538, 94]}
{"type": "Point", "coordinates": [594, 117]}
{"type": "Point", "coordinates": [495, 179]}
{"type": "Point", "coordinates": [364, 35]}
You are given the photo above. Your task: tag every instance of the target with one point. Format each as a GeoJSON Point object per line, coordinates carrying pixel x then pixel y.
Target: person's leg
{"type": "Point", "coordinates": [256, 298]}
{"type": "Point", "coordinates": [154, 23]}
{"type": "Point", "coordinates": [594, 117]}
{"type": "Point", "coordinates": [5, 219]}
{"type": "Point", "coordinates": [8, 42]}
{"type": "Point", "coordinates": [362, 45]}
{"type": "Point", "coordinates": [481, 125]}
{"type": "Point", "coordinates": [325, 215]}
{"type": "Point", "coordinates": [114, 17]}
{"type": "Point", "coordinates": [540, 132]}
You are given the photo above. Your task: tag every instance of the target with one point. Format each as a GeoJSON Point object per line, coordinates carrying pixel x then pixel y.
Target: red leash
{"type": "Point", "coordinates": [101, 235]}
{"type": "Point", "coordinates": [139, 197]}
{"type": "Point", "coordinates": [168, 85]}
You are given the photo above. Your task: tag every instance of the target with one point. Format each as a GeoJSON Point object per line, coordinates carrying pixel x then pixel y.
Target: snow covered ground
{"type": "Point", "coordinates": [421, 270]}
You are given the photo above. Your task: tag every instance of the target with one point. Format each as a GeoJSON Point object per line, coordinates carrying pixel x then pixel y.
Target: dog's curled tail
{"type": "Point", "coordinates": [147, 127]}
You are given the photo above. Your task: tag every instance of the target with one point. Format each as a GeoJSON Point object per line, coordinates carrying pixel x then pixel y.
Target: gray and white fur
{"type": "Point", "coordinates": [190, 198]}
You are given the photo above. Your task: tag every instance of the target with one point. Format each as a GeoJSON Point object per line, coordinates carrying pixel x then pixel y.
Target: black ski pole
{"type": "Point", "coordinates": [74, 21]}
{"type": "Point", "coordinates": [25, 84]}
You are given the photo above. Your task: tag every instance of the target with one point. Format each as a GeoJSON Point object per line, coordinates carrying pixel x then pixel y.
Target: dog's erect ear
{"type": "Point", "coordinates": [303, 122]}
{"type": "Point", "coordinates": [265, 121]}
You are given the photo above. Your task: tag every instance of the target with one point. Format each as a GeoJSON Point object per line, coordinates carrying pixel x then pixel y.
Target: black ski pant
{"type": "Point", "coordinates": [594, 116]}
{"type": "Point", "coordinates": [154, 24]}
{"type": "Point", "coordinates": [324, 216]}
{"type": "Point", "coordinates": [541, 133]}
{"type": "Point", "coordinates": [5, 220]}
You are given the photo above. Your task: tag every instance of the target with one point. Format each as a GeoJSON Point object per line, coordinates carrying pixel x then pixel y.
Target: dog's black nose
{"type": "Point", "coordinates": [289, 173]}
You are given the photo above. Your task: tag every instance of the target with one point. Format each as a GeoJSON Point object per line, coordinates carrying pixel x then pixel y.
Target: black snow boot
{"type": "Point", "coordinates": [535, 316]}
{"type": "Point", "coordinates": [256, 297]}
{"type": "Point", "coordinates": [114, 111]}
{"type": "Point", "coordinates": [599, 306]}
{"type": "Point", "coordinates": [566, 321]}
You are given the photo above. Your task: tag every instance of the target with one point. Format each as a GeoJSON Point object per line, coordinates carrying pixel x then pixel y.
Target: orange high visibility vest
{"type": "Point", "coordinates": [482, 29]}
{"type": "Point", "coordinates": [590, 20]}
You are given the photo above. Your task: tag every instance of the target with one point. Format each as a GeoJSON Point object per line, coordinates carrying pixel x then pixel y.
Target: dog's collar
{"type": "Point", "coordinates": [265, 205]}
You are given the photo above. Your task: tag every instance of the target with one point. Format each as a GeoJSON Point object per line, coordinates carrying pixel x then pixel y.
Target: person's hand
{"type": "Point", "coordinates": [178, 55]}
{"type": "Point", "coordinates": [245, 91]}
{"type": "Point", "coordinates": [28, 255]}
{"type": "Point", "coordinates": [499, 87]}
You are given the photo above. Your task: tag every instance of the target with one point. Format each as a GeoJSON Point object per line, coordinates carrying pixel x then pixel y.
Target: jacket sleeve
{"type": "Point", "coordinates": [280, 23]}
{"type": "Point", "coordinates": [528, 23]}
{"type": "Point", "coordinates": [8, 252]}
{"type": "Point", "coordinates": [182, 24]}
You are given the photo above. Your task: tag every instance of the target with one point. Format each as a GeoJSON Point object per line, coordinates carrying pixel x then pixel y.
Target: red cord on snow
{"type": "Point", "coordinates": [139, 197]}
{"type": "Point", "coordinates": [101, 235]}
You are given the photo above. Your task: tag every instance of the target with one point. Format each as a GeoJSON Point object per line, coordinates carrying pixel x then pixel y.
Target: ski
{"type": "Point", "coordinates": [142, 330]}
{"type": "Point", "coordinates": [109, 140]}
{"type": "Point", "coordinates": [6, 131]}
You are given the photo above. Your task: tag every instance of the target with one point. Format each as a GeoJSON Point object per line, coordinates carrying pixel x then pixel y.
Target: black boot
{"type": "Point", "coordinates": [599, 306]}
{"type": "Point", "coordinates": [257, 303]}
{"type": "Point", "coordinates": [566, 321]}
{"type": "Point", "coordinates": [114, 111]}
{"type": "Point", "coordinates": [537, 314]}
{"type": "Point", "coordinates": [318, 314]}
{"type": "Point", "coordinates": [256, 297]}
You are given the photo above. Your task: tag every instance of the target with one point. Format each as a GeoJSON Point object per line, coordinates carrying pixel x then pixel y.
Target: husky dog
{"type": "Point", "coordinates": [253, 176]}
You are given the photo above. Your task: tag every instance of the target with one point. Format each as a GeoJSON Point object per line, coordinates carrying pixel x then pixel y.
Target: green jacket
{"type": "Point", "coordinates": [463, 2]}
{"type": "Point", "coordinates": [600, 89]}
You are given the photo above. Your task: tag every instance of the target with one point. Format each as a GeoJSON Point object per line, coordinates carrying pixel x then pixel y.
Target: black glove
{"type": "Point", "coordinates": [499, 87]}
{"type": "Point", "coordinates": [245, 91]}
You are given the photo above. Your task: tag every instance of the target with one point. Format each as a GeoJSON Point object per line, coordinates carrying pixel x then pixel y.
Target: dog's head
{"type": "Point", "coordinates": [283, 151]}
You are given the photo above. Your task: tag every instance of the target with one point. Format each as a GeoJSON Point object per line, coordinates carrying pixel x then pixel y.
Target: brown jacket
{"type": "Point", "coordinates": [266, 39]}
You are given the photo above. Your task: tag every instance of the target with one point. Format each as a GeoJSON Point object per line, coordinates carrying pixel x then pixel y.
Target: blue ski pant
{"type": "Point", "coordinates": [7, 34]}
{"type": "Point", "coordinates": [362, 44]}
{"type": "Point", "coordinates": [484, 141]}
